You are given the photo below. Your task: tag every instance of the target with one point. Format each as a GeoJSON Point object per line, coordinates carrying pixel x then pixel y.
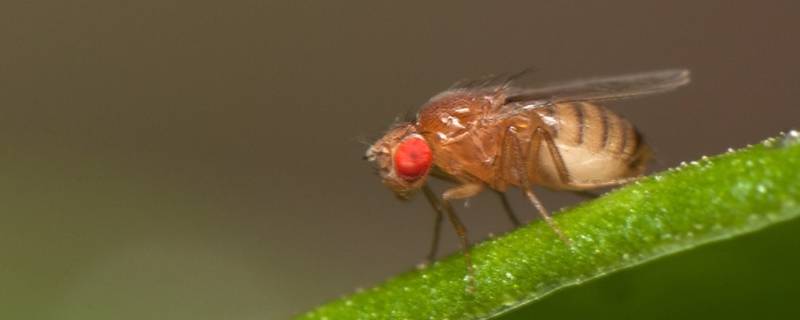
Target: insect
{"type": "Point", "coordinates": [492, 134]}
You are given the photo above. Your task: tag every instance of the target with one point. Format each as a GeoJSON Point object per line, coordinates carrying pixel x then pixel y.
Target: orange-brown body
{"type": "Point", "coordinates": [465, 132]}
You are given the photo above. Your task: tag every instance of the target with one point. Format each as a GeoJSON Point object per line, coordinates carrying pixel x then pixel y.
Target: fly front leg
{"type": "Point", "coordinates": [437, 222]}
{"type": "Point", "coordinates": [466, 190]}
{"type": "Point", "coordinates": [513, 167]}
{"type": "Point", "coordinates": [438, 207]}
{"type": "Point", "coordinates": [463, 191]}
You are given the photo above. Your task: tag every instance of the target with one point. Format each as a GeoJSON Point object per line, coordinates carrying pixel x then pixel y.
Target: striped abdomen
{"type": "Point", "coordinates": [595, 143]}
{"type": "Point", "coordinates": [591, 126]}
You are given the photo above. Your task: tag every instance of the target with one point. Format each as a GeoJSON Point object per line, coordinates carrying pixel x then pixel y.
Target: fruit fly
{"type": "Point", "coordinates": [493, 134]}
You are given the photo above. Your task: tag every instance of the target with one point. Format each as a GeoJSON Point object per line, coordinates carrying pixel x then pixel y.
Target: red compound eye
{"type": "Point", "coordinates": [412, 158]}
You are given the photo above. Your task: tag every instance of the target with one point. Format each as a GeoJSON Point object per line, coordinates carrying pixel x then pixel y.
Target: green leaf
{"type": "Point", "coordinates": [703, 201]}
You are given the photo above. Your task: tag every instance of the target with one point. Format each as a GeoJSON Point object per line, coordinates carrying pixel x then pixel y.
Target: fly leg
{"type": "Point", "coordinates": [437, 223]}
{"type": "Point", "coordinates": [463, 191]}
{"type": "Point", "coordinates": [586, 194]}
{"type": "Point", "coordinates": [507, 208]}
{"type": "Point", "coordinates": [540, 134]}
{"type": "Point", "coordinates": [514, 168]}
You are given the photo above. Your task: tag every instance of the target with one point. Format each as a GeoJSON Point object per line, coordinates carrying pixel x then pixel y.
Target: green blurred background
{"type": "Point", "coordinates": [202, 160]}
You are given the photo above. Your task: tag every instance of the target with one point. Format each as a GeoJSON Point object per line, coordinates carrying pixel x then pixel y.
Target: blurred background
{"type": "Point", "coordinates": [202, 160]}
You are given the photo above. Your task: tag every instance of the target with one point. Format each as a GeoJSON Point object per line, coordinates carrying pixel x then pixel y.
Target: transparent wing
{"type": "Point", "coordinates": [602, 88]}
{"type": "Point", "coordinates": [482, 85]}
{"type": "Point", "coordinates": [490, 81]}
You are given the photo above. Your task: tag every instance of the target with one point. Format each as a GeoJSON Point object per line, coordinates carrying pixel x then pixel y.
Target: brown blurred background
{"type": "Point", "coordinates": [202, 160]}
